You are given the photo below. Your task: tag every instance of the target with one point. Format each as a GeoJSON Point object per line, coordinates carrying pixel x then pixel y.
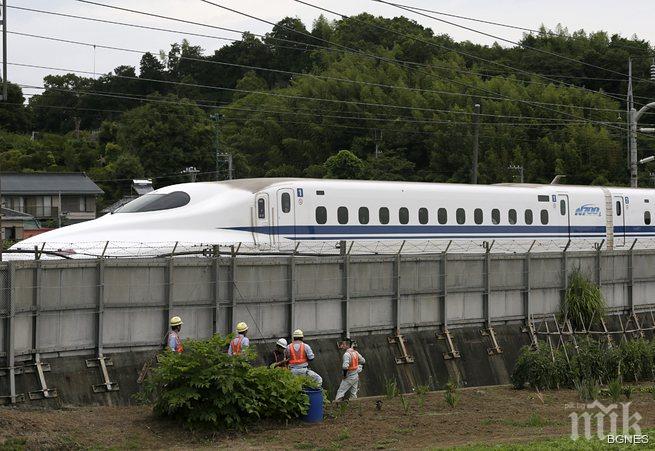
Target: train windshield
{"type": "Point", "coordinates": [156, 202]}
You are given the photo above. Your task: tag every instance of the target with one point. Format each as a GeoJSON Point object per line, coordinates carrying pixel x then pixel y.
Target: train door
{"type": "Point", "coordinates": [262, 219]}
{"type": "Point", "coordinates": [564, 213]}
{"type": "Point", "coordinates": [619, 220]}
{"type": "Point", "coordinates": [286, 216]}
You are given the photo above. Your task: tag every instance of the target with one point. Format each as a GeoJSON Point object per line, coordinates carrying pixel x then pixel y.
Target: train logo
{"type": "Point", "coordinates": [588, 210]}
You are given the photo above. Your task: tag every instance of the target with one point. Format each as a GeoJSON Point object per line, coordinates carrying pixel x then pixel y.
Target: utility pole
{"type": "Point", "coordinates": [4, 50]}
{"type": "Point", "coordinates": [216, 117]}
{"type": "Point", "coordinates": [519, 168]}
{"type": "Point", "coordinates": [476, 142]}
{"type": "Point", "coordinates": [633, 119]}
{"type": "Point", "coordinates": [192, 171]}
{"type": "Point", "coordinates": [377, 138]}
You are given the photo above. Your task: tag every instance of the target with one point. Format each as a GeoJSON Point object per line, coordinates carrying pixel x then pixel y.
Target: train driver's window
{"type": "Point", "coordinates": [442, 215]}
{"type": "Point", "coordinates": [511, 216]}
{"type": "Point", "coordinates": [544, 217]}
{"type": "Point", "coordinates": [460, 215]}
{"type": "Point", "coordinates": [403, 215]}
{"type": "Point", "coordinates": [363, 215]}
{"type": "Point", "coordinates": [423, 215]}
{"type": "Point", "coordinates": [286, 203]}
{"type": "Point", "coordinates": [342, 215]}
{"type": "Point", "coordinates": [384, 215]}
{"type": "Point", "coordinates": [321, 215]}
{"type": "Point", "coordinates": [495, 216]}
{"type": "Point", "coordinates": [647, 217]}
{"type": "Point", "coordinates": [261, 208]}
{"type": "Point", "coordinates": [477, 216]}
{"type": "Point", "coordinates": [528, 217]}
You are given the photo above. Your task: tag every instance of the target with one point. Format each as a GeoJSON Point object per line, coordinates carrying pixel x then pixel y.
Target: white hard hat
{"type": "Point", "coordinates": [281, 342]}
{"type": "Point", "coordinates": [298, 334]}
{"type": "Point", "coordinates": [176, 321]}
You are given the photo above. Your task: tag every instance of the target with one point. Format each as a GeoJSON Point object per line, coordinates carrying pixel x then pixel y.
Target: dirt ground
{"type": "Point", "coordinates": [486, 416]}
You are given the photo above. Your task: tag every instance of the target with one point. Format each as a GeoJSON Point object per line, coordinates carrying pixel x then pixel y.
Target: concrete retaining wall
{"type": "Point", "coordinates": [64, 312]}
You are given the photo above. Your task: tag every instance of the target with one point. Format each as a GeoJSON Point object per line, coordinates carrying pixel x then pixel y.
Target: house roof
{"type": "Point", "coordinates": [47, 183]}
{"type": "Point", "coordinates": [8, 213]}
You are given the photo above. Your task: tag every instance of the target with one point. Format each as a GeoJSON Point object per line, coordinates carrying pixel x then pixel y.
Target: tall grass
{"type": "Point", "coordinates": [583, 303]}
{"type": "Point", "coordinates": [593, 361]}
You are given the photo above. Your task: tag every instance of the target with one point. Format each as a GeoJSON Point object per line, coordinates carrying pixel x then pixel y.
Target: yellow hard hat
{"type": "Point", "coordinates": [242, 327]}
{"type": "Point", "coordinates": [298, 334]}
{"type": "Point", "coordinates": [176, 321]}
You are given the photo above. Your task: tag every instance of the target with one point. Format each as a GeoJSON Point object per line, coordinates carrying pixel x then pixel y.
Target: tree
{"type": "Point", "coordinates": [345, 165]}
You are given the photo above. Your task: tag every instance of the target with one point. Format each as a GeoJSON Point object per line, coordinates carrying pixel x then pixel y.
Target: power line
{"type": "Point", "coordinates": [303, 44]}
{"type": "Point", "coordinates": [536, 49]}
{"type": "Point", "coordinates": [298, 97]}
{"type": "Point", "coordinates": [395, 119]}
{"type": "Point", "coordinates": [323, 77]}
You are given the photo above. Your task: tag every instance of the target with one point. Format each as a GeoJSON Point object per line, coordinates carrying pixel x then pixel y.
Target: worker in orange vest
{"type": "Point", "coordinates": [173, 341]}
{"type": "Point", "coordinates": [300, 354]}
{"type": "Point", "coordinates": [351, 365]}
{"type": "Point", "coordinates": [239, 342]}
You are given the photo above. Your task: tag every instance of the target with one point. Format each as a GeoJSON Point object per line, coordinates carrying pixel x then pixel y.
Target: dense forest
{"type": "Point", "coordinates": [361, 97]}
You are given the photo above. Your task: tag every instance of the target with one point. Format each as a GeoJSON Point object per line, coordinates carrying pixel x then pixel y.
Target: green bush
{"type": "Point", "coordinates": [203, 386]}
{"type": "Point", "coordinates": [583, 301]}
{"type": "Point", "coordinates": [591, 361]}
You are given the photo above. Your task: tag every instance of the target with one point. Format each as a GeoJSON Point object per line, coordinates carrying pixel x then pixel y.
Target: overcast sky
{"type": "Point", "coordinates": [625, 18]}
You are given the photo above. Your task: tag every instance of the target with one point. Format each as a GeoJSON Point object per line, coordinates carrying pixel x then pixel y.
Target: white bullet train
{"type": "Point", "coordinates": [269, 212]}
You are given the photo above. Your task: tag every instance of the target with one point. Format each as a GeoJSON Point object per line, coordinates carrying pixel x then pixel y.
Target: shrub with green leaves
{"type": "Point", "coordinates": [203, 386]}
{"type": "Point", "coordinates": [583, 303]}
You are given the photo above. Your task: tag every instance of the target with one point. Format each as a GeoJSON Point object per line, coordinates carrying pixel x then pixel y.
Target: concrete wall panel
{"type": "Point", "coordinates": [135, 285]}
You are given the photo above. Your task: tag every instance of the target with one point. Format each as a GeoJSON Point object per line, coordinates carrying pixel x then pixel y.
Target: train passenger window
{"type": "Point", "coordinates": [342, 215]}
{"type": "Point", "coordinates": [495, 216]}
{"type": "Point", "coordinates": [477, 216]}
{"type": "Point", "coordinates": [261, 208]}
{"type": "Point", "coordinates": [403, 215]}
{"type": "Point", "coordinates": [442, 216]}
{"type": "Point", "coordinates": [286, 203]}
{"type": "Point", "coordinates": [321, 215]}
{"type": "Point", "coordinates": [363, 215]}
{"type": "Point", "coordinates": [423, 215]}
{"type": "Point", "coordinates": [562, 207]}
{"type": "Point", "coordinates": [156, 202]}
{"type": "Point", "coordinates": [544, 217]}
{"type": "Point", "coordinates": [511, 216]}
{"type": "Point", "coordinates": [528, 217]}
{"type": "Point", "coordinates": [384, 215]}
{"type": "Point", "coordinates": [618, 208]}
{"type": "Point", "coordinates": [647, 217]}
{"type": "Point", "coordinates": [460, 215]}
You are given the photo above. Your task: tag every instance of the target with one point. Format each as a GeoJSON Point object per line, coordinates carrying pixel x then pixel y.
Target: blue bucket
{"type": "Point", "coordinates": [315, 412]}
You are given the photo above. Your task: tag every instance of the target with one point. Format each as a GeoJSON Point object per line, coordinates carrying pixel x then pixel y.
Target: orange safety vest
{"type": "Point", "coordinates": [297, 357]}
{"type": "Point", "coordinates": [354, 359]}
{"type": "Point", "coordinates": [235, 344]}
{"type": "Point", "coordinates": [178, 342]}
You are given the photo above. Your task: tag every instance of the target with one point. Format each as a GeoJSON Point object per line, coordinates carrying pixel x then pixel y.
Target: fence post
{"type": "Point", "coordinates": [233, 300]}
{"type": "Point", "coordinates": [291, 288]}
{"type": "Point", "coordinates": [598, 247]}
{"type": "Point", "coordinates": [565, 279]}
{"type": "Point", "coordinates": [631, 278]}
{"type": "Point", "coordinates": [169, 292]}
{"type": "Point", "coordinates": [216, 290]}
{"type": "Point", "coordinates": [11, 357]}
{"type": "Point", "coordinates": [443, 285]}
{"type": "Point", "coordinates": [36, 307]}
{"type": "Point", "coordinates": [100, 273]}
{"type": "Point", "coordinates": [345, 287]}
{"type": "Point", "coordinates": [487, 283]}
{"type": "Point", "coordinates": [396, 278]}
